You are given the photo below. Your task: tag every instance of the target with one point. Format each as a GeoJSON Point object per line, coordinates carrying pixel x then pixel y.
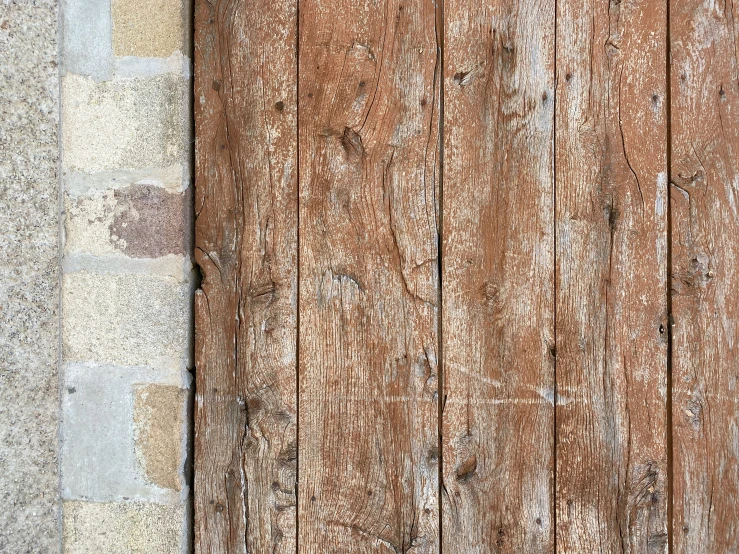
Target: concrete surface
{"type": "Point", "coordinates": [87, 38]}
{"type": "Point", "coordinates": [29, 331]}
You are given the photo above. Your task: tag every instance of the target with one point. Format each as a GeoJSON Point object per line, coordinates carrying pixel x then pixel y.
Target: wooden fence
{"type": "Point", "coordinates": [470, 276]}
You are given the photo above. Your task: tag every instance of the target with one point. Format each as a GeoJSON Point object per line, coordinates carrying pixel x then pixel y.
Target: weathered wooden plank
{"type": "Point", "coordinates": [611, 188]}
{"type": "Point", "coordinates": [368, 435]}
{"type": "Point", "coordinates": [705, 275]}
{"type": "Point", "coordinates": [246, 246]}
{"type": "Point", "coordinates": [498, 277]}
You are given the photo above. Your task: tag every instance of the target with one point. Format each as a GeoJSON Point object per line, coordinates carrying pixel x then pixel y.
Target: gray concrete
{"type": "Point", "coordinates": [29, 331]}
{"type": "Point", "coordinates": [98, 457]}
{"type": "Point", "coordinates": [88, 48]}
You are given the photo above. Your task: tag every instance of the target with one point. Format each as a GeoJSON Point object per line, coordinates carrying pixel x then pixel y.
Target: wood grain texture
{"type": "Point", "coordinates": [369, 111]}
{"type": "Point", "coordinates": [498, 277]}
{"type": "Point", "coordinates": [705, 275]}
{"type": "Point", "coordinates": [611, 169]}
{"type": "Point", "coordinates": [246, 246]}
{"type": "Point", "coordinates": [317, 219]}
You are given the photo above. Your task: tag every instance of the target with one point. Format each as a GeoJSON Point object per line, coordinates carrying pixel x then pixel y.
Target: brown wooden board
{"type": "Point", "coordinates": [611, 175]}
{"type": "Point", "coordinates": [705, 276]}
{"type": "Point", "coordinates": [368, 136]}
{"type": "Point", "coordinates": [246, 246]}
{"type": "Point", "coordinates": [498, 277]}
{"type": "Point", "coordinates": [511, 392]}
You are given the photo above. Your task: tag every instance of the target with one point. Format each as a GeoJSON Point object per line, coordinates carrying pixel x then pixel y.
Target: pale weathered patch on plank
{"type": "Point", "coordinates": [611, 166]}
{"type": "Point", "coordinates": [369, 111]}
{"type": "Point", "coordinates": [246, 246]}
{"type": "Point", "coordinates": [705, 276]}
{"type": "Point", "coordinates": [498, 277]}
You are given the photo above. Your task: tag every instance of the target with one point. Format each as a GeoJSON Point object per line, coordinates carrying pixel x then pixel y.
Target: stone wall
{"type": "Point", "coordinates": [127, 278]}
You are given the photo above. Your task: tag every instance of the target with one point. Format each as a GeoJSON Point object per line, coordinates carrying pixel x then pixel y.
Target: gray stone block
{"type": "Point", "coordinates": [124, 124]}
{"type": "Point", "coordinates": [88, 38]}
{"type": "Point", "coordinates": [98, 445]}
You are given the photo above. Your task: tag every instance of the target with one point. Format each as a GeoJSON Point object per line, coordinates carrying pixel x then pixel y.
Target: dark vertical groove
{"type": "Point", "coordinates": [196, 277]}
{"type": "Point", "coordinates": [668, 284]}
{"type": "Point", "coordinates": [297, 275]}
{"type": "Point", "coordinates": [440, 29]}
{"type": "Point", "coordinates": [554, 194]}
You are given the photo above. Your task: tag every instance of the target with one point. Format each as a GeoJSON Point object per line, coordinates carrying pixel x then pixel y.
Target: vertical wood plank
{"type": "Point", "coordinates": [246, 246]}
{"type": "Point", "coordinates": [369, 110]}
{"type": "Point", "coordinates": [611, 167]}
{"type": "Point", "coordinates": [498, 277]}
{"type": "Point", "coordinates": [705, 275]}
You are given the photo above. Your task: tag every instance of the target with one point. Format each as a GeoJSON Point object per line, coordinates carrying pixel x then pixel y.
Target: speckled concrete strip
{"type": "Point", "coordinates": [29, 276]}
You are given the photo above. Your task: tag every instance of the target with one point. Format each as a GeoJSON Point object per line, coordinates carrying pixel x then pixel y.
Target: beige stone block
{"type": "Point", "coordinates": [127, 320]}
{"type": "Point", "coordinates": [124, 124]}
{"type": "Point", "coordinates": [87, 223]}
{"type": "Point", "coordinates": [154, 30]}
{"type": "Point", "coordinates": [159, 433]}
{"type": "Point", "coordinates": [122, 528]}
{"type": "Point", "coordinates": [140, 221]}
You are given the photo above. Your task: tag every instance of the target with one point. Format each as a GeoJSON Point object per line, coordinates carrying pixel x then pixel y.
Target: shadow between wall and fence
{"type": "Point", "coordinates": [469, 283]}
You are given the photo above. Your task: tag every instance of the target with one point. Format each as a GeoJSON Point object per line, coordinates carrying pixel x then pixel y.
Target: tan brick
{"type": "Point", "coordinates": [154, 31]}
{"type": "Point", "coordinates": [159, 424]}
{"type": "Point", "coordinates": [123, 124]}
{"type": "Point", "coordinates": [128, 320]}
{"type": "Point", "coordinates": [122, 528]}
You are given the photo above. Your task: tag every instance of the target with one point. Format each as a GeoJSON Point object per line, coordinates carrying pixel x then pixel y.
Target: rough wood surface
{"type": "Point", "coordinates": [322, 312]}
{"type": "Point", "coordinates": [246, 246]}
{"type": "Point", "coordinates": [498, 277]}
{"type": "Point", "coordinates": [369, 111]}
{"type": "Point", "coordinates": [611, 168]}
{"type": "Point", "coordinates": [705, 275]}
